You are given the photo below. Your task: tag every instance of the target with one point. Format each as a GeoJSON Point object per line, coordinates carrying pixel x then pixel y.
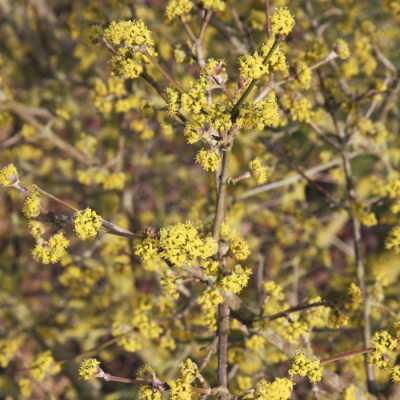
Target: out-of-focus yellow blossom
{"type": "Point", "coordinates": [354, 294]}
{"type": "Point", "coordinates": [273, 290]}
{"type": "Point", "coordinates": [95, 34]}
{"type": "Point", "coordinates": [337, 319]}
{"type": "Point", "coordinates": [114, 181]}
{"type": "Point", "coordinates": [131, 33]}
{"type": "Point", "coordinates": [349, 393]}
{"type": "Point", "coordinates": [32, 206]}
{"type": "Point", "coordinates": [239, 249]}
{"type": "Point", "coordinates": [393, 239]}
{"type": "Point", "coordinates": [180, 390]}
{"type": "Point", "coordinates": [236, 280]}
{"type": "Point", "coordinates": [178, 8]}
{"type": "Point", "coordinates": [393, 188]}
{"type": "Point", "coordinates": [395, 374]}
{"type": "Point", "coordinates": [208, 303]}
{"type": "Point", "coordinates": [341, 48]}
{"type": "Point", "coordinates": [258, 171]}
{"type": "Point", "coordinates": [255, 343]}
{"type": "Point", "coordinates": [87, 223]}
{"type": "Point", "coordinates": [366, 218]}
{"type": "Point", "coordinates": [300, 110]}
{"type": "Point", "coordinates": [293, 330]}
{"type": "Point", "coordinates": [257, 19]}
{"type": "Point", "coordinates": [302, 366]}
{"type": "Point", "coordinates": [318, 49]}
{"type": "Point", "coordinates": [375, 131]}
{"type": "Point", "coordinates": [8, 347]}
{"type": "Point", "coordinates": [25, 387]}
{"type": "Point", "coordinates": [252, 66]}
{"type": "Point", "coordinates": [147, 108]}
{"type": "Point", "coordinates": [8, 175]}
{"type": "Point", "coordinates": [169, 284]}
{"type": "Point", "coordinates": [257, 116]}
{"type": "Point", "coordinates": [282, 22]}
{"type": "Point", "coordinates": [28, 131]}
{"type": "Point", "coordinates": [87, 143]}
{"type": "Point", "coordinates": [279, 389]}
{"type": "Point", "coordinates": [208, 159]}
{"type": "Point", "coordinates": [50, 251]}
{"type": "Point", "coordinates": [41, 365]}
{"type": "Point", "coordinates": [89, 368]}
{"type": "Point", "coordinates": [214, 5]}
{"type": "Point", "coordinates": [189, 370]}
{"type": "Point", "coordinates": [302, 74]}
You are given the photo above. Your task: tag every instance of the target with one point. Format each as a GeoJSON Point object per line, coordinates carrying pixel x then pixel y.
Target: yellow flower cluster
{"type": "Point", "coordinates": [8, 347]}
{"type": "Point", "coordinates": [394, 373]}
{"type": "Point", "coordinates": [208, 302]}
{"type": "Point", "coordinates": [277, 61]}
{"type": "Point", "coordinates": [208, 159]}
{"type": "Point", "coordinates": [337, 319]}
{"type": "Point", "coordinates": [392, 188]}
{"type": "Point", "coordinates": [194, 100]}
{"type": "Point", "coordinates": [221, 116]}
{"type": "Point", "coordinates": [293, 330]}
{"type": "Point", "coordinates": [366, 218]}
{"type": "Point", "coordinates": [130, 32]}
{"type": "Point", "coordinates": [41, 365]}
{"type": "Point", "coordinates": [146, 108]}
{"type": "Point", "coordinates": [239, 249]}
{"type": "Point", "coordinates": [80, 281]}
{"type": "Point", "coordinates": [32, 206]}
{"type": "Point", "coordinates": [279, 389]}
{"type": "Point", "coordinates": [300, 110]}
{"type": "Point", "coordinates": [87, 143]}
{"type": "Point", "coordinates": [252, 66]}
{"type": "Point", "coordinates": [258, 115]}
{"type": "Point", "coordinates": [354, 295]}
{"type": "Point", "coordinates": [94, 34]}
{"type": "Point", "coordinates": [393, 239]}
{"type": "Point", "coordinates": [381, 343]}
{"type": "Point", "coordinates": [282, 22]}
{"type": "Point", "coordinates": [211, 267]}
{"type": "Point", "coordinates": [181, 243]}
{"type": "Point", "coordinates": [28, 131]}
{"type": "Point", "coordinates": [374, 131]}
{"type": "Point", "coordinates": [129, 339]}
{"type": "Point", "coordinates": [349, 393]}
{"type": "Point", "coordinates": [8, 175]}
{"type": "Point", "coordinates": [50, 251]}
{"type": "Point", "coordinates": [273, 290]}
{"type": "Point", "coordinates": [124, 64]}
{"type": "Point", "coordinates": [147, 393]}
{"type": "Point", "coordinates": [147, 248]}
{"type": "Point", "coordinates": [180, 390]}
{"type": "Point", "coordinates": [257, 19]}
{"type": "Point", "coordinates": [173, 100]}
{"type": "Point", "coordinates": [302, 73]}
{"type": "Point", "coordinates": [87, 223]}
{"type": "Point", "coordinates": [236, 280]}
{"type": "Point", "coordinates": [256, 343]}
{"type": "Point", "coordinates": [168, 282]}
{"type": "Point", "coordinates": [302, 366]}
{"type": "Point", "coordinates": [189, 370]}
{"type": "Point", "coordinates": [194, 129]}
{"type": "Point", "coordinates": [341, 48]}
{"type": "Point", "coordinates": [178, 8]}
{"type": "Point", "coordinates": [89, 368]}
{"type": "Point", "coordinates": [214, 5]}
{"type": "Point", "coordinates": [258, 171]}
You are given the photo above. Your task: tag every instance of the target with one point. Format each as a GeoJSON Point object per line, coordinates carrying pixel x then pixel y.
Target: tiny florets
{"type": "Point", "coordinates": [341, 48]}
{"type": "Point", "coordinates": [258, 171]}
{"type": "Point", "coordinates": [302, 366]}
{"type": "Point", "coordinates": [208, 159]}
{"type": "Point", "coordinates": [282, 22]}
{"type": "Point", "coordinates": [236, 280]}
{"type": "Point", "coordinates": [87, 223]}
{"type": "Point", "coordinates": [50, 251]}
{"type": "Point", "coordinates": [130, 32]}
{"type": "Point", "coordinates": [8, 175]}
{"type": "Point", "coordinates": [177, 8]}
{"type": "Point", "coordinates": [89, 368]}
{"type": "Point", "coordinates": [239, 249]}
{"type": "Point", "coordinates": [32, 206]}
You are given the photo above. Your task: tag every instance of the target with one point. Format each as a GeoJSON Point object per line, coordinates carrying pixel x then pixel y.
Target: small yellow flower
{"type": "Point", "coordinates": [239, 249]}
{"type": "Point", "coordinates": [258, 171]}
{"type": "Point", "coordinates": [252, 66]}
{"type": "Point", "coordinates": [87, 223]}
{"type": "Point", "coordinates": [8, 175]}
{"type": "Point", "coordinates": [341, 49]}
{"type": "Point", "coordinates": [89, 368]}
{"type": "Point", "coordinates": [236, 280]}
{"type": "Point", "coordinates": [50, 251]}
{"type": "Point", "coordinates": [208, 159]}
{"type": "Point", "coordinates": [178, 8]}
{"type": "Point", "coordinates": [214, 5]}
{"type": "Point", "coordinates": [281, 387]}
{"type": "Point", "coordinates": [32, 206]}
{"type": "Point", "coordinates": [189, 370]}
{"type": "Point", "coordinates": [302, 366]}
{"type": "Point", "coordinates": [282, 22]}
{"type": "Point", "coordinates": [180, 390]}
{"type": "Point", "coordinates": [131, 33]}
{"type": "Point", "coordinates": [273, 290]}
{"type": "Point", "coordinates": [147, 108]}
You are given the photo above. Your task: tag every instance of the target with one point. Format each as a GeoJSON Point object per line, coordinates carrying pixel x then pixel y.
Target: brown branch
{"type": "Point", "coordinates": [268, 22]}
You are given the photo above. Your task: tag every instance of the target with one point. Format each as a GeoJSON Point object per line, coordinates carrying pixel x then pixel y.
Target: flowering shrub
{"type": "Point", "coordinates": [216, 186]}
